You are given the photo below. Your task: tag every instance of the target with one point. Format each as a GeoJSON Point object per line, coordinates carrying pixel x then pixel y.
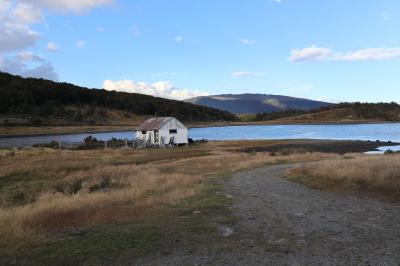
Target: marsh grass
{"type": "Point", "coordinates": [377, 175]}
{"type": "Point", "coordinates": [81, 191]}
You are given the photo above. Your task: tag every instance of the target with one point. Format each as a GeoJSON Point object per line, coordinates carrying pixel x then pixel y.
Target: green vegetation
{"type": "Point", "coordinates": [357, 111]}
{"type": "Point", "coordinates": [40, 100]}
{"type": "Point", "coordinates": [278, 115]}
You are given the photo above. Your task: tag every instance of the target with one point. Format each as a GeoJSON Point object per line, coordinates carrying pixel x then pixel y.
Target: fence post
{"type": "Point", "coordinates": [105, 144]}
{"type": "Point", "coordinates": [126, 143]}
{"type": "Point", "coordinates": [60, 145]}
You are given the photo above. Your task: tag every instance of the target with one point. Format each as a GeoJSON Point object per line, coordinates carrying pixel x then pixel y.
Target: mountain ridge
{"type": "Point", "coordinates": [253, 103]}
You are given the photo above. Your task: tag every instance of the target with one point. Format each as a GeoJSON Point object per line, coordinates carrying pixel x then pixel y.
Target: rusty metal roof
{"type": "Point", "coordinates": [154, 123]}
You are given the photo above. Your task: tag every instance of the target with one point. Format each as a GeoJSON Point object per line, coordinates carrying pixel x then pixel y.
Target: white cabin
{"type": "Point", "coordinates": [162, 131]}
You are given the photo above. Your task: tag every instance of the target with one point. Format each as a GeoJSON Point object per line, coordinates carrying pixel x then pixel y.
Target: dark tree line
{"type": "Point", "coordinates": [44, 98]}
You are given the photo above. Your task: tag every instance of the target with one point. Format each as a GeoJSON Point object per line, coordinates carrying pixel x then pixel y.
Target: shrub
{"type": "Point", "coordinates": [75, 186]}
{"type": "Point", "coordinates": [60, 187]}
{"type": "Point", "coordinates": [36, 122]}
{"type": "Point", "coordinates": [105, 184]}
{"type": "Point", "coordinates": [18, 198]}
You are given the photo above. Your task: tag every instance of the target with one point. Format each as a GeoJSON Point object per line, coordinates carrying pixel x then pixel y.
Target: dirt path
{"type": "Point", "coordinates": [284, 223]}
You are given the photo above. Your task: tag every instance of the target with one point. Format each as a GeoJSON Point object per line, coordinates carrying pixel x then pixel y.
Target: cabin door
{"type": "Point", "coordinates": [156, 136]}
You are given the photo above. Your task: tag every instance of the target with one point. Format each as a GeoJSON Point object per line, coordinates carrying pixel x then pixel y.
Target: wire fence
{"type": "Point", "coordinates": [110, 144]}
{"type": "Point", "coordinates": [91, 143]}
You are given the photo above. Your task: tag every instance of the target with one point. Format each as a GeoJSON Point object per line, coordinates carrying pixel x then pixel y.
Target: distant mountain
{"type": "Point", "coordinates": [45, 100]}
{"type": "Point", "coordinates": [256, 103]}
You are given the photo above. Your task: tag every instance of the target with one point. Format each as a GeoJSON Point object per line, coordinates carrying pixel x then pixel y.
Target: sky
{"type": "Point", "coordinates": [331, 50]}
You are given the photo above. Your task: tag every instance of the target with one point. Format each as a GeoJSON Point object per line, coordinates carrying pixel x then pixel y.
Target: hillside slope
{"type": "Point", "coordinates": [38, 101]}
{"type": "Point", "coordinates": [338, 113]}
{"type": "Point", "coordinates": [256, 103]}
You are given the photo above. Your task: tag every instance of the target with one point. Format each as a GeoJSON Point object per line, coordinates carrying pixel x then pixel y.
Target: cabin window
{"type": "Point", "coordinates": [144, 132]}
{"type": "Point", "coordinates": [173, 131]}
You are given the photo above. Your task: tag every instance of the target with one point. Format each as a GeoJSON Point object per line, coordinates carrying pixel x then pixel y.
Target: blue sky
{"type": "Point", "coordinates": [337, 50]}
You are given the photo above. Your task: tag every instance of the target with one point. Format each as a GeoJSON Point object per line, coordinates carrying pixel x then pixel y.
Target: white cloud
{"type": "Point", "coordinates": [27, 64]}
{"type": "Point", "coordinates": [27, 13]}
{"type": "Point", "coordinates": [77, 6]}
{"type": "Point", "coordinates": [370, 54]}
{"type": "Point", "coordinates": [315, 53]}
{"type": "Point", "coordinates": [136, 31]}
{"type": "Point", "coordinates": [15, 37]}
{"type": "Point", "coordinates": [29, 56]}
{"type": "Point", "coordinates": [179, 39]}
{"type": "Point", "coordinates": [16, 33]}
{"type": "Point", "coordinates": [275, 1]}
{"type": "Point", "coordinates": [45, 71]}
{"type": "Point", "coordinates": [15, 26]}
{"type": "Point", "coordinates": [384, 16]}
{"type": "Point", "coordinates": [240, 74]}
{"type": "Point", "coordinates": [52, 47]}
{"type": "Point", "coordinates": [162, 89]}
{"type": "Point", "coordinates": [4, 5]}
{"type": "Point", "coordinates": [247, 41]}
{"type": "Point", "coordinates": [245, 73]}
{"type": "Point", "coordinates": [312, 53]}
{"type": "Point", "coordinates": [81, 44]}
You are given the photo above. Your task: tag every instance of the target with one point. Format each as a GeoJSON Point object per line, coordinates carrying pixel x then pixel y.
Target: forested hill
{"type": "Point", "coordinates": [342, 112]}
{"type": "Point", "coordinates": [44, 98]}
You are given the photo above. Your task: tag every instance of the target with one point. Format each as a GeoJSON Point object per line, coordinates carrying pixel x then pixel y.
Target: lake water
{"type": "Point", "coordinates": [382, 132]}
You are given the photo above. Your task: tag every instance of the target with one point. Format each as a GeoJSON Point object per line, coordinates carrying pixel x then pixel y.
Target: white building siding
{"type": "Point", "coordinates": [170, 132]}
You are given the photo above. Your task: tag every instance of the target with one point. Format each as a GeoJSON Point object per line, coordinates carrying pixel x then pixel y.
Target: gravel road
{"type": "Point", "coordinates": [284, 223]}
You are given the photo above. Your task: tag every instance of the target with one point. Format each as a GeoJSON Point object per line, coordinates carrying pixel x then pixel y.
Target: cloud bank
{"type": "Point", "coordinates": [27, 64]}
{"type": "Point", "coordinates": [77, 6]}
{"type": "Point", "coordinates": [162, 89]}
{"type": "Point", "coordinates": [315, 54]}
{"type": "Point", "coordinates": [17, 35]}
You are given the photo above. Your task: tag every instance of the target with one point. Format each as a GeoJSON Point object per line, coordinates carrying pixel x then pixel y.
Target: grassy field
{"type": "Point", "coordinates": [45, 130]}
{"type": "Point", "coordinates": [94, 207]}
{"type": "Point", "coordinates": [373, 175]}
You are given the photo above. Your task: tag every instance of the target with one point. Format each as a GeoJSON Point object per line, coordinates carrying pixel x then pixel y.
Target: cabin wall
{"type": "Point", "coordinates": [145, 137]}
{"type": "Point", "coordinates": [181, 137]}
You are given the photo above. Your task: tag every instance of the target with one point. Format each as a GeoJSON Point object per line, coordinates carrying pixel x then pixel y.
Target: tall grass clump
{"type": "Point", "coordinates": [376, 174]}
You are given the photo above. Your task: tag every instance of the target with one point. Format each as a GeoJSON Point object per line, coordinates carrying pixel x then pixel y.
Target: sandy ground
{"type": "Point", "coordinates": [284, 223]}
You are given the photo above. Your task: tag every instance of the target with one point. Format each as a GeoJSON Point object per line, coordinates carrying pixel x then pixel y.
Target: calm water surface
{"type": "Point", "coordinates": [382, 132]}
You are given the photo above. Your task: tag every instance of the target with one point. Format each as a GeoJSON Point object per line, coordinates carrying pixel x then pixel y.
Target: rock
{"type": "Point", "coordinates": [282, 242]}
{"type": "Point", "coordinates": [226, 231]}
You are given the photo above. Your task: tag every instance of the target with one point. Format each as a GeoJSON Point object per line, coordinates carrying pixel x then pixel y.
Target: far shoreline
{"type": "Point", "coordinates": [30, 131]}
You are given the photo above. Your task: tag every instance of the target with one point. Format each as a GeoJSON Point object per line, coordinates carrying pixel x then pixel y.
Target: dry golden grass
{"type": "Point", "coordinates": [62, 190]}
{"type": "Point", "coordinates": [375, 174]}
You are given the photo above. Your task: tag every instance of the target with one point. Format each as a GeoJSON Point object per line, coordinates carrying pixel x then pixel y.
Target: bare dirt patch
{"type": "Point", "coordinates": [283, 223]}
